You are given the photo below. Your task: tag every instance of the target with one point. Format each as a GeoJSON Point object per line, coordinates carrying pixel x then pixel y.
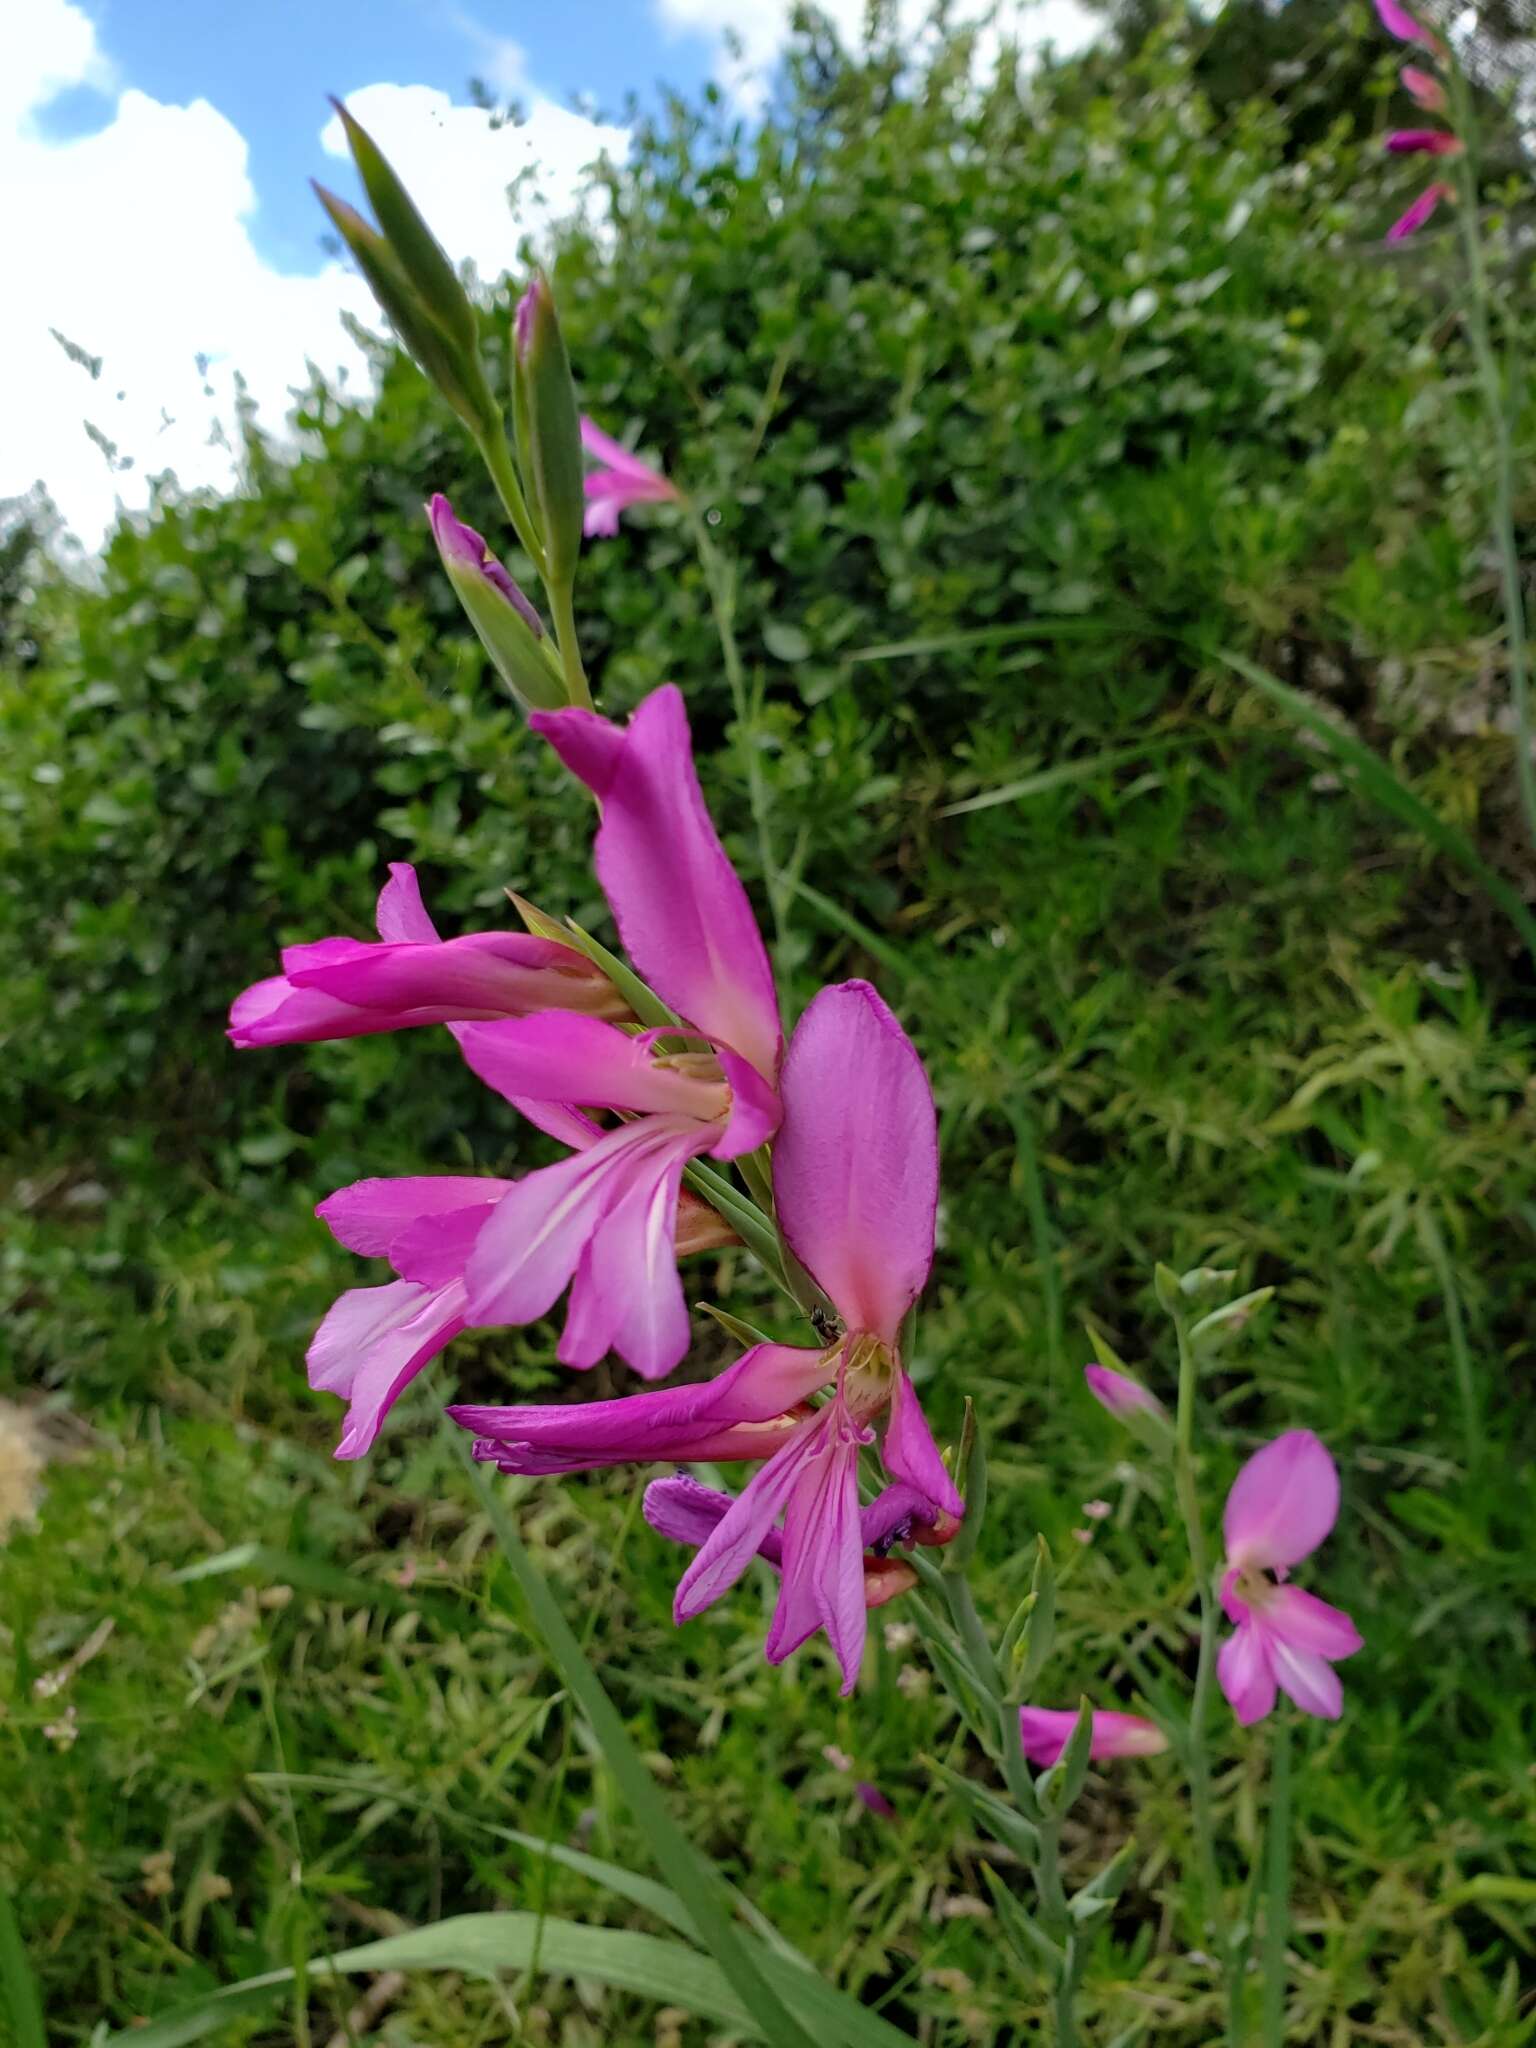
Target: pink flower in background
{"type": "Point", "coordinates": [600, 1222]}
{"type": "Point", "coordinates": [856, 1181]}
{"type": "Point", "coordinates": [1282, 1504]}
{"type": "Point", "coordinates": [624, 480]}
{"type": "Point", "coordinates": [1423, 142]}
{"type": "Point", "coordinates": [1398, 22]}
{"type": "Point", "coordinates": [1413, 219]}
{"type": "Point", "coordinates": [1424, 87]}
{"type": "Point", "coordinates": [349, 988]}
{"type": "Point", "coordinates": [1121, 1395]}
{"type": "Point", "coordinates": [1044, 1732]}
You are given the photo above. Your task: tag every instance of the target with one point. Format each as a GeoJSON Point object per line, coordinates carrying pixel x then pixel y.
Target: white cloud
{"type": "Point", "coordinates": [458, 167]}
{"type": "Point", "coordinates": [761, 27]}
{"type": "Point", "coordinates": [134, 243]}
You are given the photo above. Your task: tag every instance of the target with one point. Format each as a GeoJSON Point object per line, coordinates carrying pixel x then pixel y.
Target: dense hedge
{"type": "Point", "coordinates": [940, 361]}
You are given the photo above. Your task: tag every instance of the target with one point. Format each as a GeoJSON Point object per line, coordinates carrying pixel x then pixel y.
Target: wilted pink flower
{"type": "Point", "coordinates": [1044, 1732]}
{"type": "Point", "coordinates": [624, 480]}
{"type": "Point", "coordinates": [601, 1221]}
{"type": "Point", "coordinates": [856, 1182]}
{"type": "Point", "coordinates": [1410, 222]}
{"type": "Point", "coordinates": [375, 1340]}
{"type": "Point", "coordinates": [1424, 87]}
{"type": "Point", "coordinates": [348, 988]}
{"type": "Point", "coordinates": [1424, 142]}
{"type": "Point", "coordinates": [1282, 1504]}
{"type": "Point", "coordinates": [1121, 1395]}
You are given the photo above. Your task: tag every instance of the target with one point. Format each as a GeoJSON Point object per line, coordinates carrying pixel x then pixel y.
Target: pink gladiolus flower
{"type": "Point", "coordinates": [624, 480]}
{"type": "Point", "coordinates": [856, 1182]}
{"type": "Point", "coordinates": [1398, 22]}
{"type": "Point", "coordinates": [348, 988]}
{"type": "Point", "coordinates": [601, 1221]}
{"type": "Point", "coordinates": [375, 1340]}
{"type": "Point", "coordinates": [1044, 1731]}
{"type": "Point", "coordinates": [1410, 222]}
{"type": "Point", "coordinates": [1121, 1395]}
{"type": "Point", "coordinates": [1424, 87]}
{"type": "Point", "coordinates": [1424, 142]}
{"type": "Point", "coordinates": [686, 1512]}
{"type": "Point", "coordinates": [1282, 1504]}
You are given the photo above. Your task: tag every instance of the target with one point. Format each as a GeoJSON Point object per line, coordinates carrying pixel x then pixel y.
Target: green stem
{"type": "Point", "coordinates": [720, 583]}
{"type": "Point", "coordinates": [1187, 1487]}
{"type": "Point", "coordinates": [498, 460]}
{"type": "Point", "coordinates": [563, 613]}
{"type": "Point", "coordinates": [1054, 1912]}
{"type": "Point", "coordinates": [1498, 411]}
{"type": "Point", "coordinates": [1277, 1882]}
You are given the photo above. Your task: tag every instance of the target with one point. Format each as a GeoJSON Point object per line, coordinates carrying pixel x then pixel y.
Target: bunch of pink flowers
{"type": "Point", "coordinates": [845, 1113]}
{"type": "Point", "coordinates": [1427, 92]}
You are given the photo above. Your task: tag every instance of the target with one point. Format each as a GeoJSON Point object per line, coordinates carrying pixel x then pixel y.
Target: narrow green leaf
{"type": "Point", "coordinates": [1277, 1883]}
{"type": "Point", "coordinates": [19, 1985]}
{"type": "Point", "coordinates": [1380, 782]}
{"type": "Point", "coordinates": [844, 921]}
{"type": "Point", "coordinates": [998, 1818]}
{"type": "Point", "coordinates": [1033, 1947]}
{"type": "Point", "coordinates": [698, 1884]}
{"type": "Point", "coordinates": [1060, 777]}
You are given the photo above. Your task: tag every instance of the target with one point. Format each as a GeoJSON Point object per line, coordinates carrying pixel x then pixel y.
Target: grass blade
{"type": "Point", "coordinates": [1384, 786]}
{"type": "Point", "coordinates": [697, 1883]}
{"type": "Point", "coordinates": [17, 1981]}
{"type": "Point", "coordinates": [1061, 777]}
{"type": "Point", "coordinates": [1277, 1883]}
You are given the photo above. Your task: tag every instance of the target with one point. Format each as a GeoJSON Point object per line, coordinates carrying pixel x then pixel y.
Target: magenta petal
{"type": "Point", "coordinates": [1409, 222]}
{"type": "Point", "coordinates": [910, 1453]}
{"type": "Point", "coordinates": [765, 1382]}
{"type": "Point", "coordinates": [435, 1250]}
{"type": "Point", "coordinates": [894, 1512]}
{"type": "Point", "coordinates": [614, 453]}
{"type": "Point", "coordinates": [1310, 1624]}
{"type": "Point", "coordinates": [535, 1237]}
{"type": "Point", "coordinates": [274, 1012]}
{"type": "Point", "coordinates": [824, 1558]}
{"type": "Point", "coordinates": [682, 1510]}
{"type": "Point", "coordinates": [1244, 1672]}
{"type": "Point", "coordinates": [564, 1057]}
{"type": "Point", "coordinates": [601, 519]}
{"type": "Point", "coordinates": [372, 1342]}
{"type": "Point", "coordinates": [400, 913]}
{"type": "Point", "coordinates": [1398, 22]}
{"type": "Point", "coordinates": [856, 1165]}
{"type": "Point", "coordinates": [626, 1294]}
{"type": "Point", "coordinates": [1424, 87]}
{"type": "Point", "coordinates": [1307, 1678]}
{"type": "Point", "coordinates": [755, 1108]}
{"type": "Point", "coordinates": [681, 910]}
{"type": "Point", "coordinates": [1283, 1502]}
{"type": "Point", "coordinates": [1044, 1732]}
{"type": "Point", "coordinates": [1120, 1394]}
{"type": "Point", "coordinates": [369, 1215]}
{"type": "Point", "coordinates": [1423, 142]}
{"type": "Point", "coordinates": [731, 1547]}
{"type": "Point", "coordinates": [484, 974]}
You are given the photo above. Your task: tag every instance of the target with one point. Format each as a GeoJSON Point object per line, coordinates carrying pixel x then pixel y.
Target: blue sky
{"type": "Point", "coordinates": [162, 150]}
{"type": "Point", "coordinates": [267, 65]}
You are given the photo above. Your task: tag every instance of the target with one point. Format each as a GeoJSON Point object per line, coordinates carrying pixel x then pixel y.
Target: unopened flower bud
{"type": "Point", "coordinates": [548, 427]}
{"type": "Point", "coordinates": [1131, 1403]}
{"type": "Point", "coordinates": [506, 622]}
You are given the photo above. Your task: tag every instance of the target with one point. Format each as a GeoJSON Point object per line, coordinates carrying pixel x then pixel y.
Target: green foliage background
{"type": "Point", "coordinates": [1100, 381]}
